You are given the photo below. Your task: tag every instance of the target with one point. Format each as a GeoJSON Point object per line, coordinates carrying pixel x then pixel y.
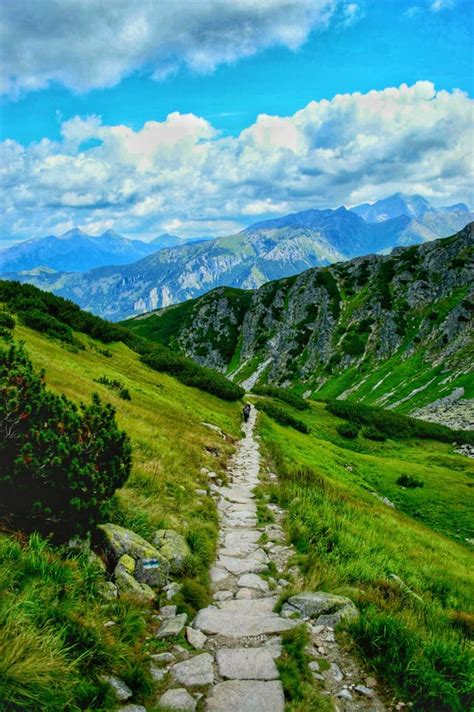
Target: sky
{"type": "Point", "coordinates": [202, 116]}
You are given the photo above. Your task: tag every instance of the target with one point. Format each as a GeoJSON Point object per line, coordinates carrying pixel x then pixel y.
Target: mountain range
{"type": "Point", "coordinates": [263, 252]}
{"type": "Point", "coordinates": [76, 251]}
{"type": "Point", "coordinates": [391, 330]}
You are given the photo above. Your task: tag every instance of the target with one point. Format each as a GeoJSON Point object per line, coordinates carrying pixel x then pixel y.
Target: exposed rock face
{"type": "Point", "coordinates": [416, 304]}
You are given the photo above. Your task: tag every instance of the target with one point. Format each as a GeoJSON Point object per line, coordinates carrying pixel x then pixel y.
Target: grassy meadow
{"type": "Point", "coordinates": [53, 643]}
{"type": "Point", "coordinates": [409, 569]}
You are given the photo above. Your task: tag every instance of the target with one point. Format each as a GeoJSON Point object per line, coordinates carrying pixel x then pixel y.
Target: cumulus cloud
{"type": "Point", "coordinates": [85, 44]}
{"type": "Point", "coordinates": [182, 173]}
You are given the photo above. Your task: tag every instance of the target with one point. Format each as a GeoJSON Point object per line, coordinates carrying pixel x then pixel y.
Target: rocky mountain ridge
{"type": "Point", "coordinates": [392, 330]}
{"type": "Point", "coordinates": [263, 252]}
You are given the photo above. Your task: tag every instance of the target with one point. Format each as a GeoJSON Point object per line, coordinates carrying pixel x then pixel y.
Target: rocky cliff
{"type": "Point", "coordinates": [394, 330]}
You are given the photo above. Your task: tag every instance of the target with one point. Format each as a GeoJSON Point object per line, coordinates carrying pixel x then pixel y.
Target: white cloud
{"type": "Point", "coordinates": [181, 173]}
{"type": "Point", "coordinates": [437, 5]}
{"type": "Point", "coordinates": [85, 44]}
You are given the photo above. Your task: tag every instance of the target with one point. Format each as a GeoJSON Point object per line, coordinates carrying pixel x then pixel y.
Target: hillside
{"type": "Point", "coordinates": [62, 636]}
{"type": "Point", "coordinates": [263, 252]}
{"type": "Point", "coordinates": [393, 331]}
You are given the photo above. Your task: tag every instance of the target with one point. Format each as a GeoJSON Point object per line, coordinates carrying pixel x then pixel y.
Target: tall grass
{"type": "Point", "coordinates": [349, 544]}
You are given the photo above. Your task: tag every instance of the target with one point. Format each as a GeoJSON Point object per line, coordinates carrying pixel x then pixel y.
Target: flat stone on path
{"type": "Point", "coordinates": [246, 664]}
{"type": "Point", "coordinates": [246, 696]}
{"type": "Point", "coordinates": [233, 624]}
{"type": "Point", "coordinates": [195, 672]}
{"type": "Point", "coordinates": [253, 581]}
{"type": "Point", "coordinates": [241, 566]}
{"type": "Point", "coordinates": [177, 699]}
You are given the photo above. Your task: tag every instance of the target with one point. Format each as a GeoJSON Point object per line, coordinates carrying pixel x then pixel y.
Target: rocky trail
{"type": "Point", "coordinates": [238, 636]}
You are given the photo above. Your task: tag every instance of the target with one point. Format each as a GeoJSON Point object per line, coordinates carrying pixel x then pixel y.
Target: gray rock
{"type": "Point", "coordinates": [168, 611]}
{"type": "Point", "coordinates": [246, 696]}
{"type": "Point", "coordinates": [133, 708]}
{"type": "Point", "coordinates": [233, 624]}
{"type": "Point", "coordinates": [119, 541]}
{"type": "Point", "coordinates": [346, 613]}
{"type": "Point", "coordinates": [195, 638]}
{"type": "Point", "coordinates": [313, 604]}
{"type": "Point", "coordinates": [108, 590]}
{"type": "Point", "coordinates": [363, 690]}
{"type": "Point", "coordinates": [246, 664]}
{"type": "Point", "coordinates": [163, 658]}
{"type": "Point", "coordinates": [195, 672]}
{"type": "Point", "coordinates": [177, 699]}
{"type": "Point", "coordinates": [253, 581]}
{"type": "Point", "coordinates": [173, 547]}
{"type": "Point", "coordinates": [126, 583]}
{"type": "Point", "coordinates": [121, 690]}
{"type": "Point", "coordinates": [172, 626]}
{"type": "Point", "coordinates": [344, 694]}
{"type": "Point", "coordinates": [157, 673]}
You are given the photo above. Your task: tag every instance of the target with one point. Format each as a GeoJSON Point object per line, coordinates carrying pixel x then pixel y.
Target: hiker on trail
{"type": "Point", "coordinates": [246, 411]}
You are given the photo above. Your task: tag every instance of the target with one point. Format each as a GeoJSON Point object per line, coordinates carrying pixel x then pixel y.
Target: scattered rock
{"type": "Point", "coordinates": [195, 672]}
{"type": "Point", "coordinates": [172, 626]}
{"type": "Point", "coordinates": [107, 590]}
{"type": "Point", "coordinates": [316, 604]}
{"type": "Point", "coordinates": [168, 611]}
{"type": "Point", "coordinates": [363, 690]}
{"type": "Point", "coordinates": [172, 589]}
{"type": "Point", "coordinates": [253, 581]}
{"type": "Point", "coordinates": [120, 541]}
{"type": "Point", "coordinates": [177, 699]}
{"type": "Point", "coordinates": [157, 673]}
{"type": "Point", "coordinates": [133, 708]}
{"type": "Point", "coordinates": [163, 658]}
{"type": "Point", "coordinates": [121, 690]}
{"type": "Point", "coordinates": [344, 694]}
{"type": "Point", "coordinates": [195, 638]}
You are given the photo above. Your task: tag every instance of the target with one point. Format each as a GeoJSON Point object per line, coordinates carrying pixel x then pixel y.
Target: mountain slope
{"type": "Point", "coordinates": [263, 252]}
{"type": "Point", "coordinates": [413, 206]}
{"type": "Point", "coordinates": [395, 331]}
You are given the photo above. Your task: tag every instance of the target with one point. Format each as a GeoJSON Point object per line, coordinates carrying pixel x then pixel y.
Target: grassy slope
{"type": "Point", "coordinates": [51, 604]}
{"type": "Point", "coordinates": [349, 541]}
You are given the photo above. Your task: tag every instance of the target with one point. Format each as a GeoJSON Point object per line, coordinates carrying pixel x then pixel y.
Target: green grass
{"type": "Point", "coordinates": [349, 542]}
{"type": "Point", "coordinates": [53, 643]}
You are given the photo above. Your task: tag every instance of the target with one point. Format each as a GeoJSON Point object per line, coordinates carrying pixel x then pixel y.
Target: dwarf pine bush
{"type": "Point", "coordinates": [59, 464]}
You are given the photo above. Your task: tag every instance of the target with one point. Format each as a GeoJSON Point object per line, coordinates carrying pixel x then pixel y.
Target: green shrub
{"type": "Point", "coordinates": [282, 394]}
{"type": "Point", "coordinates": [115, 385]}
{"type": "Point", "coordinates": [410, 482]}
{"type": "Point", "coordinates": [395, 425]}
{"type": "Point", "coordinates": [65, 461]}
{"type": "Point", "coordinates": [354, 344]}
{"type": "Point", "coordinates": [347, 431]}
{"type": "Point", "coordinates": [276, 412]}
{"type": "Point", "coordinates": [46, 324]}
{"type": "Point", "coordinates": [372, 433]}
{"type": "Point", "coordinates": [6, 320]}
{"type": "Point", "coordinates": [190, 373]}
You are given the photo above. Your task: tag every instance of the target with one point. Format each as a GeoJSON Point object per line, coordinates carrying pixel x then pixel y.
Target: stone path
{"type": "Point", "coordinates": [238, 635]}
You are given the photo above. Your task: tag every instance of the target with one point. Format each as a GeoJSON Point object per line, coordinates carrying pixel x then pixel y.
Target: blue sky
{"type": "Point", "coordinates": [224, 64]}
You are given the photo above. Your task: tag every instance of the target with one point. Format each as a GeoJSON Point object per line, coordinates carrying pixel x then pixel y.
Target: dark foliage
{"type": "Point", "coordinates": [410, 482]}
{"type": "Point", "coordinates": [59, 464]}
{"type": "Point", "coordinates": [348, 431]}
{"type": "Point", "coordinates": [6, 320]}
{"type": "Point", "coordinates": [282, 416]}
{"type": "Point", "coordinates": [115, 385]}
{"type": "Point", "coordinates": [190, 373]}
{"type": "Point", "coordinates": [372, 433]}
{"type": "Point", "coordinates": [282, 394]}
{"type": "Point", "coordinates": [46, 324]}
{"type": "Point", "coordinates": [396, 425]}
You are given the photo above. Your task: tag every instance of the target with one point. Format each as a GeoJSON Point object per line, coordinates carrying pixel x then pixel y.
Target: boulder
{"type": "Point", "coordinates": [173, 547]}
{"type": "Point", "coordinates": [126, 583]}
{"type": "Point", "coordinates": [310, 604]}
{"type": "Point", "coordinates": [151, 567]}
